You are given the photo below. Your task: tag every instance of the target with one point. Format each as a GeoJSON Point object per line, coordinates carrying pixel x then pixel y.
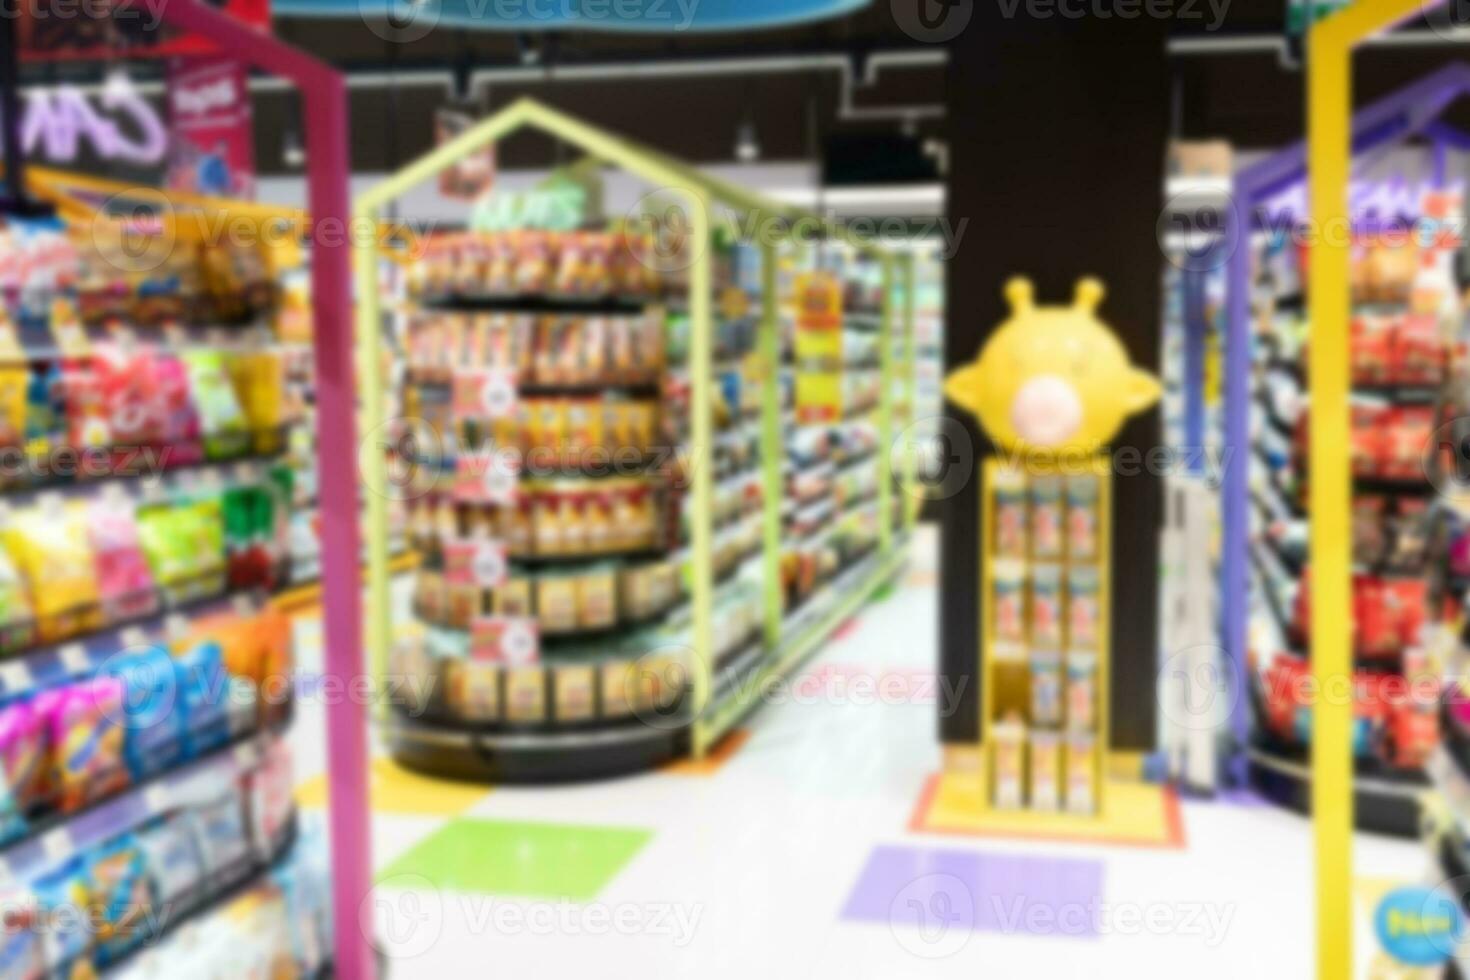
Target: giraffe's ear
{"type": "Point", "coordinates": [965, 387]}
{"type": "Point", "coordinates": [1020, 295]}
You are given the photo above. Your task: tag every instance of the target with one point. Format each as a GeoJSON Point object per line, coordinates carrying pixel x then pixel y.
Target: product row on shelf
{"type": "Point", "coordinates": [1409, 367]}
{"type": "Point", "coordinates": [147, 406]}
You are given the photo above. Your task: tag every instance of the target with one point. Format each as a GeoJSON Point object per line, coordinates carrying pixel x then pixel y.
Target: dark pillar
{"type": "Point", "coordinates": [1057, 129]}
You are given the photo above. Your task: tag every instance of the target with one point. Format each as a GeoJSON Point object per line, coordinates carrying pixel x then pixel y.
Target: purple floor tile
{"type": "Point", "coordinates": [937, 889]}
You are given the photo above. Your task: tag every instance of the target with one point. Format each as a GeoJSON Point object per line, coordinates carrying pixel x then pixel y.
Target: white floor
{"type": "Point", "coordinates": [758, 860]}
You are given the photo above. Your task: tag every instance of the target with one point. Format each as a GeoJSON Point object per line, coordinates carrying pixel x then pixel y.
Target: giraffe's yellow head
{"type": "Point", "coordinates": [1052, 379]}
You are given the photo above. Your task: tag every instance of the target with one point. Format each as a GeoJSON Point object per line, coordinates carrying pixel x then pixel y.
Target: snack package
{"type": "Point", "coordinates": [271, 801]}
{"type": "Point", "coordinates": [88, 737]}
{"type": "Point", "coordinates": [525, 695]}
{"type": "Point", "coordinates": [246, 512]}
{"type": "Point", "coordinates": [13, 382]}
{"type": "Point", "coordinates": [1046, 770]}
{"type": "Point", "coordinates": [121, 898]}
{"type": "Point", "coordinates": [574, 692]}
{"type": "Point", "coordinates": [1010, 520]}
{"type": "Point", "coordinates": [1083, 610]}
{"type": "Point", "coordinates": [1081, 773]}
{"type": "Point", "coordinates": [1010, 604]}
{"type": "Point", "coordinates": [124, 581]}
{"type": "Point", "coordinates": [49, 545]}
{"type": "Point", "coordinates": [167, 549]}
{"type": "Point", "coordinates": [152, 711]}
{"type": "Point", "coordinates": [173, 401]}
{"type": "Point", "coordinates": [17, 619]}
{"type": "Point", "coordinates": [22, 949]}
{"type": "Point", "coordinates": [1081, 691]}
{"type": "Point", "coordinates": [221, 835]}
{"type": "Point", "coordinates": [24, 750]}
{"type": "Point", "coordinates": [1008, 763]}
{"type": "Point", "coordinates": [1046, 517]}
{"type": "Point", "coordinates": [173, 860]}
{"type": "Point", "coordinates": [63, 903]}
{"type": "Point", "coordinates": [474, 691]}
{"type": "Point", "coordinates": [1082, 518]}
{"type": "Point", "coordinates": [1046, 688]}
{"type": "Point", "coordinates": [222, 422]}
{"type": "Point", "coordinates": [203, 698]}
{"type": "Point", "coordinates": [1046, 606]}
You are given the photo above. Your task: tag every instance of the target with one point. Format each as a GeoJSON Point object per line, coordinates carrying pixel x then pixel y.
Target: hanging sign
{"type": "Point", "coordinates": [212, 137]}
{"type": "Point", "coordinates": [474, 174]}
{"type": "Point", "coordinates": [118, 125]}
{"type": "Point", "coordinates": [818, 348]}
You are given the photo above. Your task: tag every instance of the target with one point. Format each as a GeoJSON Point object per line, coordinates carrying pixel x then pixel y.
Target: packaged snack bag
{"type": "Point", "coordinates": [173, 402]}
{"type": "Point", "coordinates": [1082, 518]}
{"type": "Point", "coordinates": [221, 420]}
{"type": "Point", "coordinates": [204, 698]}
{"type": "Point", "coordinates": [49, 544]}
{"type": "Point", "coordinates": [173, 860]}
{"type": "Point", "coordinates": [200, 524]}
{"type": "Point", "coordinates": [152, 711]}
{"type": "Point", "coordinates": [1081, 773]}
{"type": "Point", "coordinates": [574, 692]}
{"type": "Point", "coordinates": [1081, 691]}
{"type": "Point", "coordinates": [271, 801]}
{"type": "Point", "coordinates": [1046, 606]}
{"type": "Point", "coordinates": [167, 548]}
{"type": "Point", "coordinates": [22, 950]}
{"type": "Point", "coordinates": [17, 620]}
{"type": "Point", "coordinates": [1008, 763]}
{"type": "Point", "coordinates": [1083, 610]}
{"type": "Point", "coordinates": [13, 381]}
{"type": "Point", "coordinates": [1046, 517]}
{"type": "Point", "coordinates": [525, 695]}
{"type": "Point", "coordinates": [87, 737]}
{"type": "Point", "coordinates": [24, 758]}
{"type": "Point", "coordinates": [1010, 604]}
{"type": "Point", "coordinates": [121, 897]}
{"type": "Point", "coordinates": [64, 905]}
{"type": "Point", "coordinates": [1010, 520]}
{"type": "Point", "coordinates": [1046, 770]}
{"type": "Point", "coordinates": [1046, 688]}
{"type": "Point", "coordinates": [474, 690]}
{"type": "Point", "coordinates": [124, 581]}
{"type": "Point", "coordinates": [220, 832]}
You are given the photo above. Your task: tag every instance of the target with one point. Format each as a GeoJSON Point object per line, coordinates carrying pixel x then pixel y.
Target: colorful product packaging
{"type": "Point", "coordinates": [1046, 688]}
{"type": "Point", "coordinates": [1081, 773]}
{"type": "Point", "coordinates": [88, 734]}
{"type": "Point", "coordinates": [203, 698]}
{"type": "Point", "coordinates": [124, 581]}
{"type": "Point", "coordinates": [474, 691]}
{"type": "Point", "coordinates": [22, 949]}
{"type": "Point", "coordinates": [221, 835]}
{"type": "Point", "coordinates": [1010, 603]}
{"type": "Point", "coordinates": [1046, 606]}
{"type": "Point", "coordinates": [1081, 691]}
{"type": "Point", "coordinates": [1084, 612]}
{"type": "Point", "coordinates": [153, 718]}
{"type": "Point", "coordinates": [173, 859]}
{"type": "Point", "coordinates": [17, 619]}
{"type": "Point", "coordinates": [63, 904]}
{"type": "Point", "coordinates": [1046, 518]}
{"type": "Point", "coordinates": [49, 545]}
{"type": "Point", "coordinates": [1082, 518]}
{"type": "Point", "coordinates": [1008, 764]}
{"type": "Point", "coordinates": [121, 896]}
{"type": "Point", "coordinates": [24, 759]}
{"type": "Point", "coordinates": [1046, 770]}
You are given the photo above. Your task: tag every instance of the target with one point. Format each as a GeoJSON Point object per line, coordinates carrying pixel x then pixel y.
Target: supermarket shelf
{"type": "Point", "coordinates": [147, 477]}
{"type": "Point", "coordinates": [48, 663]}
{"type": "Point", "coordinates": [538, 303]}
{"type": "Point", "coordinates": [304, 594]}
{"type": "Point", "coordinates": [237, 882]}
{"type": "Point", "coordinates": [1384, 801]}
{"type": "Point", "coordinates": [805, 632]}
{"type": "Point", "coordinates": [56, 837]}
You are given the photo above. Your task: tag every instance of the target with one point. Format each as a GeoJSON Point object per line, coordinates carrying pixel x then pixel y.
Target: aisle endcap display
{"type": "Point", "coordinates": [533, 719]}
{"type": "Point", "coordinates": [1046, 540]}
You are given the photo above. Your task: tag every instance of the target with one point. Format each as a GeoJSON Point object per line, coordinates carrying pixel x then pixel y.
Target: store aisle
{"type": "Point", "coordinates": [795, 849]}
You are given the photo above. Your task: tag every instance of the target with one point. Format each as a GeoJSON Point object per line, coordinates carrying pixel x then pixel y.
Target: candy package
{"type": "Point", "coordinates": [173, 860]}
{"type": "Point", "coordinates": [24, 757]}
{"type": "Point", "coordinates": [1081, 773]}
{"type": "Point", "coordinates": [220, 831]}
{"type": "Point", "coordinates": [121, 899]}
{"type": "Point", "coordinates": [49, 545]}
{"type": "Point", "coordinates": [1046, 606]}
{"type": "Point", "coordinates": [1010, 605]}
{"type": "Point", "coordinates": [1081, 691]}
{"type": "Point", "coordinates": [1046, 688]}
{"type": "Point", "coordinates": [87, 740]}
{"type": "Point", "coordinates": [1046, 770]}
{"type": "Point", "coordinates": [1009, 764]}
{"type": "Point", "coordinates": [271, 801]}
{"type": "Point", "coordinates": [63, 905]}
{"type": "Point", "coordinates": [124, 581]}
{"type": "Point", "coordinates": [22, 949]}
{"type": "Point", "coordinates": [17, 620]}
{"type": "Point", "coordinates": [1084, 612]}
{"type": "Point", "coordinates": [153, 715]}
{"type": "Point", "coordinates": [203, 698]}
{"type": "Point", "coordinates": [1082, 518]}
{"type": "Point", "coordinates": [1046, 518]}
{"type": "Point", "coordinates": [221, 420]}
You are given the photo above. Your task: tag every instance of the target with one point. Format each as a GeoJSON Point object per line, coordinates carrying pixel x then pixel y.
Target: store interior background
{"type": "Point", "coordinates": [1021, 145]}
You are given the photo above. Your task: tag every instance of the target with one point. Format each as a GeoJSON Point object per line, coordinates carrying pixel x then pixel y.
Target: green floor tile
{"type": "Point", "coordinates": [532, 860]}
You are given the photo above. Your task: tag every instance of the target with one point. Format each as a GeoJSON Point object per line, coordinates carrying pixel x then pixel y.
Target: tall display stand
{"type": "Point", "coordinates": [617, 702]}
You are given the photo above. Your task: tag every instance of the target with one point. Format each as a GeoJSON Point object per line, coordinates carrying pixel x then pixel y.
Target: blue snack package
{"type": "Point", "coordinates": [153, 711]}
{"type": "Point", "coordinates": [121, 897]}
{"type": "Point", "coordinates": [62, 901]}
{"type": "Point", "coordinates": [173, 859]}
{"type": "Point", "coordinates": [204, 688]}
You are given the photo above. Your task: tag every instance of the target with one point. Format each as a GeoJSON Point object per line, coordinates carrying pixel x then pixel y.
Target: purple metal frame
{"type": "Point", "coordinates": [324, 104]}
{"type": "Point", "coordinates": [1412, 109]}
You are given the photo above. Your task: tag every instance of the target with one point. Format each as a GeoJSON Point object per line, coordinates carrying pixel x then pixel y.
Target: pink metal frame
{"type": "Point", "coordinates": [324, 104]}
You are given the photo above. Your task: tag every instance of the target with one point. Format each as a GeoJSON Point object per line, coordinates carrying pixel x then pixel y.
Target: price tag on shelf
{"type": "Point", "coordinates": [514, 641]}
{"type": "Point", "coordinates": [157, 798]}
{"type": "Point", "coordinates": [74, 658]}
{"type": "Point", "coordinates": [16, 677]}
{"type": "Point", "coordinates": [57, 845]}
{"type": "Point", "coordinates": [484, 393]}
